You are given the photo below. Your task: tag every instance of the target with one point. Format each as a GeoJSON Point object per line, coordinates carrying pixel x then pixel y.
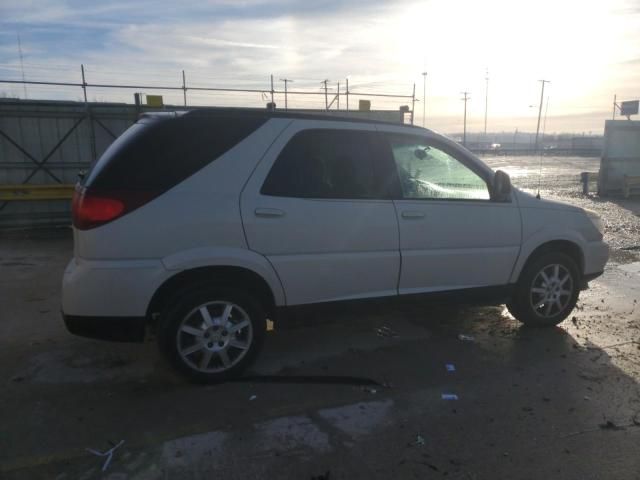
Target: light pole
{"type": "Point", "coordinates": [486, 104]}
{"type": "Point", "coordinates": [464, 133]}
{"type": "Point", "coordinates": [424, 98]}
{"type": "Point", "coordinates": [535, 148]}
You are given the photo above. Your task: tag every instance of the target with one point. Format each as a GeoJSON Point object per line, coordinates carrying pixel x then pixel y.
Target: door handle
{"type": "Point", "coordinates": [412, 214]}
{"type": "Point", "coordinates": [268, 212]}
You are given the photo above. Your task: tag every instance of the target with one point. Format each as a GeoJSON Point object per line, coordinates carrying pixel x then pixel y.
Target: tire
{"type": "Point", "coordinates": [212, 334]}
{"type": "Point", "coordinates": [561, 292]}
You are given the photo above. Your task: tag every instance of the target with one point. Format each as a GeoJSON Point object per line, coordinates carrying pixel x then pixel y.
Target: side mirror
{"type": "Point", "coordinates": [420, 153]}
{"type": "Point", "coordinates": [501, 186]}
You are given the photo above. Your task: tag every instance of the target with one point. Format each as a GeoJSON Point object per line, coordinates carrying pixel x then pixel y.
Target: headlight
{"type": "Point", "coordinates": [595, 219]}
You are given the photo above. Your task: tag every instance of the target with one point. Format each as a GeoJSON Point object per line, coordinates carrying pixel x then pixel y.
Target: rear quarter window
{"type": "Point", "coordinates": [157, 153]}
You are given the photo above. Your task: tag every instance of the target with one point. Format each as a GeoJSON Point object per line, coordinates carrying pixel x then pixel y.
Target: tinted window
{"type": "Point", "coordinates": [426, 171]}
{"type": "Point", "coordinates": [157, 153]}
{"type": "Point", "coordinates": [324, 164]}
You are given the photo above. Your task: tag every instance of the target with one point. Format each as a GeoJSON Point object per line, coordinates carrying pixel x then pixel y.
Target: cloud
{"type": "Point", "coordinates": [383, 46]}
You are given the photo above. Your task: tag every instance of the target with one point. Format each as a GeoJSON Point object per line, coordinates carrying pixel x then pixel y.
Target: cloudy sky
{"type": "Point", "coordinates": [590, 50]}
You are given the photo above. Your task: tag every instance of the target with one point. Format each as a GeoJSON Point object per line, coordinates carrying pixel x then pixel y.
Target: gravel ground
{"type": "Point", "coordinates": [560, 180]}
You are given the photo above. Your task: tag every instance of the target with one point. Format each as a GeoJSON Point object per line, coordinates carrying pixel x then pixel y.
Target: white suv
{"type": "Point", "coordinates": [201, 225]}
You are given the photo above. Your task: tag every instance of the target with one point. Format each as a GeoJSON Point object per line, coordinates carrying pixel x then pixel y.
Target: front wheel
{"type": "Point", "coordinates": [547, 291]}
{"type": "Point", "coordinates": [212, 334]}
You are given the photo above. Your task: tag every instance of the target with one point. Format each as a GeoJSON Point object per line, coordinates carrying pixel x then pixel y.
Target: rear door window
{"type": "Point", "coordinates": [157, 153]}
{"type": "Point", "coordinates": [325, 164]}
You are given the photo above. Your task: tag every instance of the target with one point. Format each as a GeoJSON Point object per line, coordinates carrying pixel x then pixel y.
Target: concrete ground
{"type": "Point", "coordinates": [336, 398]}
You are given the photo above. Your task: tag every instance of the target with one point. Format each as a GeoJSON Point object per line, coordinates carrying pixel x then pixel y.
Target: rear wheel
{"type": "Point", "coordinates": [212, 334]}
{"type": "Point", "coordinates": [547, 291]}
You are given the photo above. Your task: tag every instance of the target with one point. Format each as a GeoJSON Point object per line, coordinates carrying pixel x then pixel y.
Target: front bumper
{"type": "Point", "coordinates": [116, 329]}
{"type": "Point", "coordinates": [596, 255]}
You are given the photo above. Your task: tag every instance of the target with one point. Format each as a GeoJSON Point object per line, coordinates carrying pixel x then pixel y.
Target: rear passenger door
{"type": "Point", "coordinates": [316, 208]}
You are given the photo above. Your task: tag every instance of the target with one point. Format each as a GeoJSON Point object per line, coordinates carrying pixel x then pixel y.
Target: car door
{"type": "Point", "coordinates": [315, 208]}
{"type": "Point", "coordinates": [452, 234]}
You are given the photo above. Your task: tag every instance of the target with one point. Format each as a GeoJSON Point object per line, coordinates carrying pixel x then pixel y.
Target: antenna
{"type": "Point", "coordinates": [540, 111]}
{"type": "Point", "coordinates": [24, 85]}
{"type": "Point", "coordinates": [544, 129]}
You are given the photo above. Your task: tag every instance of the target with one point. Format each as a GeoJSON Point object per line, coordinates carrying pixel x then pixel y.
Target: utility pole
{"type": "Point", "coordinates": [424, 99]}
{"type": "Point", "coordinates": [535, 148]}
{"type": "Point", "coordinates": [413, 102]}
{"type": "Point", "coordinates": [92, 132]}
{"type": "Point", "coordinates": [486, 104]}
{"type": "Point", "coordinates": [286, 81]}
{"type": "Point", "coordinates": [272, 103]}
{"type": "Point", "coordinates": [184, 88]}
{"type": "Point", "coordinates": [326, 95]}
{"type": "Point", "coordinates": [24, 85]}
{"type": "Point", "coordinates": [347, 80]}
{"type": "Point", "coordinates": [464, 131]}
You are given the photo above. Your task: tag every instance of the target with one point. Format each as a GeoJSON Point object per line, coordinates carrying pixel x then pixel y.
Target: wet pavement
{"type": "Point", "coordinates": [355, 396]}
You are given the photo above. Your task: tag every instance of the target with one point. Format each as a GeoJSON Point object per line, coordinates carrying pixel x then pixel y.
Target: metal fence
{"type": "Point", "coordinates": [332, 95]}
{"type": "Point", "coordinates": [43, 144]}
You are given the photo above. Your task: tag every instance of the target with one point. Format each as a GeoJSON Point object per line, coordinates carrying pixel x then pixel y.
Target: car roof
{"type": "Point", "coordinates": [267, 114]}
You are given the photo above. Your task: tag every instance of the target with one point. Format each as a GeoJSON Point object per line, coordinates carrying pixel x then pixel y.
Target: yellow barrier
{"type": "Point", "coordinates": [10, 193]}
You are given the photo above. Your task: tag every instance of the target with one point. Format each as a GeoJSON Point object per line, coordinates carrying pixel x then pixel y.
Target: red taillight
{"type": "Point", "coordinates": [92, 209]}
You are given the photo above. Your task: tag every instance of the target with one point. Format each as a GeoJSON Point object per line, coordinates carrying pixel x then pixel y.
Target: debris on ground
{"type": "Point", "coordinates": [609, 425]}
{"type": "Point", "coordinates": [17, 379]}
{"type": "Point", "coordinates": [450, 367]}
{"type": "Point", "coordinates": [449, 396]}
{"type": "Point", "coordinates": [252, 397]}
{"type": "Point", "coordinates": [370, 390]}
{"type": "Point", "coordinates": [385, 331]}
{"type": "Point", "coordinates": [324, 476]}
{"type": "Point", "coordinates": [419, 440]}
{"type": "Point", "coordinates": [466, 338]}
{"type": "Point", "coordinates": [108, 454]}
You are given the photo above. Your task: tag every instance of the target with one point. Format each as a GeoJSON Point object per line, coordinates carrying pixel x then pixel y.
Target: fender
{"type": "Point", "coordinates": [545, 235]}
{"type": "Point", "coordinates": [227, 257]}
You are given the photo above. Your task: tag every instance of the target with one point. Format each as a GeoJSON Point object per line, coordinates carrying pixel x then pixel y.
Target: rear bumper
{"type": "Point", "coordinates": [116, 329]}
{"type": "Point", "coordinates": [110, 288]}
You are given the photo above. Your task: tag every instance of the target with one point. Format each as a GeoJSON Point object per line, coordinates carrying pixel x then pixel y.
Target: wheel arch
{"type": "Point", "coordinates": [568, 247]}
{"type": "Point", "coordinates": [223, 275]}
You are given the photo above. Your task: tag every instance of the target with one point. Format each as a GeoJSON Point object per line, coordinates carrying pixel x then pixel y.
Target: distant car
{"type": "Point", "coordinates": [202, 225]}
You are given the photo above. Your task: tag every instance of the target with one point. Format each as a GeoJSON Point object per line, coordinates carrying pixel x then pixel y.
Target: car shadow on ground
{"type": "Point", "coordinates": [519, 389]}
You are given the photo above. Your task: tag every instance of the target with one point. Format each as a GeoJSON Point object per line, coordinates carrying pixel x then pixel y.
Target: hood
{"type": "Point", "coordinates": [526, 200]}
